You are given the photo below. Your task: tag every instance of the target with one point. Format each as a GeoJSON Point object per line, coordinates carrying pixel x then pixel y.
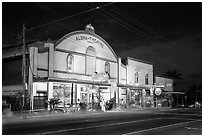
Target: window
{"type": "Point", "coordinates": [90, 60]}
{"type": "Point", "coordinates": [107, 67]}
{"type": "Point", "coordinates": [146, 79]}
{"type": "Point", "coordinates": [136, 76]}
{"type": "Point", "coordinates": [70, 63]}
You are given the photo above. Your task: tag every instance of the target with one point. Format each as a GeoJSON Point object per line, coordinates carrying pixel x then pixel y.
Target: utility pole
{"type": "Point", "coordinates": [24, 68]}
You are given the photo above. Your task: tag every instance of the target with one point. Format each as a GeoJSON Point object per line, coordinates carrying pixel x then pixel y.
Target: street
{"type": "Point", "coordinates": [133, 122]}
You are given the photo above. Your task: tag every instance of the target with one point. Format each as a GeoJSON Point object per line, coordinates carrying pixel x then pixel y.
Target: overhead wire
{"type": "Point", "coordinates": [61, 19]}
{"type": "Point", "coordinates": [124, 14]}
{"type": "Point", "coordinates": [137, 33]}
{"type": "Point", "coordinates": [133, 29]}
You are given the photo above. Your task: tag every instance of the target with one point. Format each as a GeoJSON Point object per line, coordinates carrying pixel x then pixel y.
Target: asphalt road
{"type": "Point", "coordinates": [145, 122]}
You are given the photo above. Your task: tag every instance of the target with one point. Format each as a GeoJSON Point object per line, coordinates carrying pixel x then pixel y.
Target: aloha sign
{"type": "Point", "coordinates": [89, 39]}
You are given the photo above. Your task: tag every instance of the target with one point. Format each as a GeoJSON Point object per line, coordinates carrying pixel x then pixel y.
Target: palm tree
{"type": "Point", "coordinates": [173, 74]}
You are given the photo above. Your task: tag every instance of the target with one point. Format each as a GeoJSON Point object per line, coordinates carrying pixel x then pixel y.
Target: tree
{"type": "Point", "coordinates": [173, 74]}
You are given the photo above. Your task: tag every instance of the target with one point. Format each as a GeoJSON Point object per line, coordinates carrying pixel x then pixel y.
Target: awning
{"type": "Point", "coordinates": [182, 93]}
{"type": "Point", "coordinates": [12, 90]}
{"type": "Point", "coordinates": [77, 81]}
{"type": "Point", "coordinates": [135, 87]}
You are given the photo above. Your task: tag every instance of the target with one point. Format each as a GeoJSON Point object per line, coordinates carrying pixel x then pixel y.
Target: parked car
{"type": "Point", "coordinates": [195, 105]}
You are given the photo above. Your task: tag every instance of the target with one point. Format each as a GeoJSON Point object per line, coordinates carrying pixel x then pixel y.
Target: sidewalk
{"type": "Point", "coordinates": [16, 117]}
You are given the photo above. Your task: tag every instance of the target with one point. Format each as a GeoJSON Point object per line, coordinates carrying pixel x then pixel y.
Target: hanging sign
{"type": "Point", "coordinates": [158, 91]}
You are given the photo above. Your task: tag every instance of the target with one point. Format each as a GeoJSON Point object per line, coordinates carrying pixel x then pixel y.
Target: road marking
{"type": "Point", "coordinates": [82, 128]}
{"type": "Point", "coordinates": [150, 129]}
{"type": "Point", "coordinates": [193, 128]}
{"type": "Point", "coordinates": [182, 118]}
{"type": "Point", "coordinates": [180, 114]}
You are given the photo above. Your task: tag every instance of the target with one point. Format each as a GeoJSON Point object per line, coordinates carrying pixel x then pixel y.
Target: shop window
{"type": "Point", "coordinates": [146, 79]}
{"type": "Point", "coordinates": [136, 76]}
{"type": "Point", "coordinates": [107, 67]}
{"type": "Point", "coordinates": [70, 63]}
{"type": "Point", "coordinates": [90, 60]}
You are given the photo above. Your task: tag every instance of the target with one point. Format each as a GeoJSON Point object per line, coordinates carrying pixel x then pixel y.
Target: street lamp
{"type": "Point", "coordinates": [63, 86]}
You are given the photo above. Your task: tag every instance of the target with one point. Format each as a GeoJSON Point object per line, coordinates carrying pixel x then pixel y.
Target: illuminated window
{"type": "Point", "coordinates": [107, 67]}
{"type": "Point", "coordinates": [136, 76]}
{"type": "Point", "coordinates": [146, 79]}
{"type": "Point", "coordinates": [70, 63]}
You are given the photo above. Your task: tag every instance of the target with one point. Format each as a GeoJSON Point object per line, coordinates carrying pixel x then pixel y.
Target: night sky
{"type": "Point", "coordinates": [168, 34]}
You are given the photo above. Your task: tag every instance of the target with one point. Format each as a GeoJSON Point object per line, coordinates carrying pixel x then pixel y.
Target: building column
{"type": "Point", "coordinates": [50, 59]}
{"type": "Point", "coordinates": [49, 92]}
{"type": "Point", "coordinates": [32, 72]}
{"type": "Point", "coordinates": [75, 95]}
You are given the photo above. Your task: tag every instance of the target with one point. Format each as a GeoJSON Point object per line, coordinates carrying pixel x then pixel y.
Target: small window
{"type": "Point", "coordinates": [70, 63]}
{"type": "Point", "coordinates": [136, 77]}
{"type": "Point", "coordinates": [107, 67]}
{"type": "Point", "coordinates": [146, 79]}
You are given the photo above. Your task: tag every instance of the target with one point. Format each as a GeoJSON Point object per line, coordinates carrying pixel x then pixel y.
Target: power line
{"type": "Point", "coordinates": [142, 36]}
{"type": "Point", "coordinates": [161, 60]}
{"type": "Point", "coordinates": [135, 21]}
{"type": "Point", "coordinates": [80, 13]}
{"type": "Point", "coordinates": [130, 28]}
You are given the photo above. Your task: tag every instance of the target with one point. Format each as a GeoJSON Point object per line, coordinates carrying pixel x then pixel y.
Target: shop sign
{"type": "Point", "coordinates": [104, 78]}
{"type": "Point", "coordinates": [89, 39]}
{"type": "Point", "coordinates": [168, 84]}
{"type": "Point", "coordinates": [158, 91]}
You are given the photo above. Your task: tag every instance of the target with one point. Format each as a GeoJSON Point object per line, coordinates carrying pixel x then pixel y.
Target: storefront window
{"type": "Point", "coordinates": [64, 94]}
{"type": "Point", "coordinates": [70, 62]}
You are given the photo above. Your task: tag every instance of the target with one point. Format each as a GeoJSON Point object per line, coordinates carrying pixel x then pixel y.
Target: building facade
{"type": "Point", "coordinates": [82, 66]}
{"type": "Point", "coordinates": [164, 96]}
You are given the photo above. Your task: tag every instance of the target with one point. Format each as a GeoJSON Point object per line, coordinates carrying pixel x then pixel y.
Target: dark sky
{"type": "Point", "coordinates": [168, 34]}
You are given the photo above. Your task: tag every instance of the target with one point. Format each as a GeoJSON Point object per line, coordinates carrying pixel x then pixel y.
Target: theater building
{"type": "Point", "coordinates": [82, 66]}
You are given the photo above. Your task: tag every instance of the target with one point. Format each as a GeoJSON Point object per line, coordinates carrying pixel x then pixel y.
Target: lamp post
{"type": "Point", "coordinates": [63, 86]}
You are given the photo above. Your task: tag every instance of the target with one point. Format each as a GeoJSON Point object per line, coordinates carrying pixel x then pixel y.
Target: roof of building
{"type": "Point", "coordinates": [139, 60]}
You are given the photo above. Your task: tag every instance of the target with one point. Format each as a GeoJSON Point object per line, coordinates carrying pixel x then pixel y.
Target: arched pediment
{"type": "Point", "coordinates": [79, 41]}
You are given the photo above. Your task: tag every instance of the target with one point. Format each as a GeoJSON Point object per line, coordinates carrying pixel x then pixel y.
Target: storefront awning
{"type": "Point", "coordinates": [12, 90]}
{"type": "Point", "coordinates": [175, 93]}
{"type": "Point", "coordinates": [77, 81]}
{"type": "Point", "coordinates": [135, 87]}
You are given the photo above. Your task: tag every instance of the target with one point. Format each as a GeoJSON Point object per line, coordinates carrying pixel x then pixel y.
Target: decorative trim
{"type": "Point", "coordinates": [42, 69]}
{"type": "Point", "coordinates": [138, 60]}
{"type": "Point", "coordinates": [65, 72]}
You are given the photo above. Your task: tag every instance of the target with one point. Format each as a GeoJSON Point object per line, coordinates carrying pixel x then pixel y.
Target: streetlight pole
{"type": "Point", "coordinates": [24, 68]}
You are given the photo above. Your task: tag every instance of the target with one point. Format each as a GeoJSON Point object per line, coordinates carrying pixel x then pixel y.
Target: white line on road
{"type": "Point", "coordinates": [181, 114]}
{"type": "Point", "coordinates": [193, 128]}
{"type": "Point", "coordinates": [74, 129]}
{"type": "Point", "coordinates": [150, 129]}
